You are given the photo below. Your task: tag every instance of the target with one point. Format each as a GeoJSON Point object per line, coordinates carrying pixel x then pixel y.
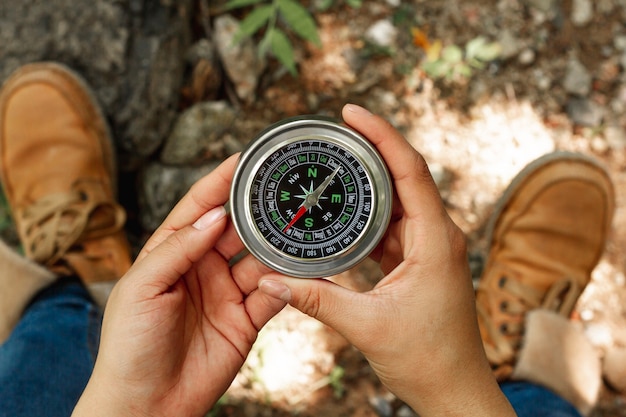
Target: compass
{"type": "Point", "coordinates": [310, 197]}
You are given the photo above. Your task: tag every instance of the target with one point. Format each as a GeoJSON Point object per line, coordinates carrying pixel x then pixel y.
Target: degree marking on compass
{"type": "Point", "coordinates": [334, 234]}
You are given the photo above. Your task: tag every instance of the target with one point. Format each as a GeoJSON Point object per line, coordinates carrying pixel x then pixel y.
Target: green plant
{"type": "Point", "coordinates": [453, 63]}
{"type": "Point", "coordinates": [326, 4]}
{"type": "Point", "coordinates": [335, 380]}
{"type": "Point", "coordinates": [268, 15]}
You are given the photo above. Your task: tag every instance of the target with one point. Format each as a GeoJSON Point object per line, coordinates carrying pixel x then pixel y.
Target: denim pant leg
{"type": "Point", "coordinates": [46, 362]}
{"type": "Point", "coordinates": [531, 400]}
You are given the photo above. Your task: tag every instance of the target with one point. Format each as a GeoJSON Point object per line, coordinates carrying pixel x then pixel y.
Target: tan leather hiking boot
{"type": "Point", "coordinates": [547, 235]}
{"type": "Point", "coordinates": [57, 170]}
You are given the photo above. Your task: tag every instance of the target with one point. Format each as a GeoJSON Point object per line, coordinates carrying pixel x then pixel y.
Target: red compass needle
{"type": "Point", "coordinates": [299, 214]}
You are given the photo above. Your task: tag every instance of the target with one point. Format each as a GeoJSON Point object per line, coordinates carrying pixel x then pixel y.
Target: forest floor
{"type": "Point", "coordinates": [476, 131]}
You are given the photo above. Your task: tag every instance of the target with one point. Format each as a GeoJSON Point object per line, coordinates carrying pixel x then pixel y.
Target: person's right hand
{"type": "Point", "coordinates": [418, 326]}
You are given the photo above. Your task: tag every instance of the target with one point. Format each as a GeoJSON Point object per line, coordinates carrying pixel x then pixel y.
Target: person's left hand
{"type": "Point", "coordinates": [179, 325]}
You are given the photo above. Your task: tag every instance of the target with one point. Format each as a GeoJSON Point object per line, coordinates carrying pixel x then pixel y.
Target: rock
{"type": "Point", "coordinates": [510, 45]}
{"type": "Point", "coordinates": [526, 57]}
{"type": "Point", "coordinates": [585, 112]}
{"type": "Point", "coordinates": [130, 53]}
{"type": "Point", "coordinates": [405, 411]}
{"type": "Point", "coordinates": [241, 61]}
{"type": "Point", "coordinates": [582, 12]}
{"type": "Point", "coordinates": [604, 6]}
{"type": "Point", "coordinates": [543, 81]}
{"type": "Point", "coordinates": [206, 77]}
{"type": "Point", "coordinates": [543, 5]}
{"type": "Point", "coordinates": [162, 186]}
{"type": "Point", "coordinates": [577, 79]}
{"type": "Point", "coordinates": [197, 134]}
{"type": "Point", "coordinates": [382, 406]}
{"type": "Point", "coordinates": [619, 42]}
{"type": "Point", "coordinates": [382, 33]}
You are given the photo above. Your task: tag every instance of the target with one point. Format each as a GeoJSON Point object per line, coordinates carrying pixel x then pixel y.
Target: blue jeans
{"type": "Point", "coordinates": [531, 400]}
{"type": "Point", "coordinates": [47, 361]}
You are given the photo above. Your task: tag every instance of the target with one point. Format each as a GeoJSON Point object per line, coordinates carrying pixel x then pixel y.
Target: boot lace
{"type": "Point", "coordinates": [560, 298]}
{"type": "Point", "coordinates": [52, 225]}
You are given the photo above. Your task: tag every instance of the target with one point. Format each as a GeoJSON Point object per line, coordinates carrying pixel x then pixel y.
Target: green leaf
{"type": "Point", "coordinates": [265, 43]}
{"type": "Point", "coordinates": [473, 46]}
{"type": "Point", "coordinates": [236, 4]}
{"type": "Point", "coordinates": [355, 4]}
{"type": "Point", "coordinates": [300, 20]}
{"type": "Point", "coordinates": [323, 5]}
{"type": "Point", "coordinates": [452, 54]}
{"type": "Point", "coordinates": [254, 21]}
{"type": "Point", "coordinates": [463, 70]}
{"type": "Point", "coordinates": [436, 69]}
{"type": "Point", "coordinates": [478, 48]}
{"type": "Point", "coordinates": [476, 63]}
{"type": "Point", "coordinates": [281, 47]}
{"type": "Point", "coordinates": [489, 52]}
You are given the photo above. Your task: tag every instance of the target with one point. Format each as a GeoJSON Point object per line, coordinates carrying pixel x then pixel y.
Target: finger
{"type": "Point", "coordinates": [207, 193]}
{"type": "Point", "coordinates": [247, 273]}
{"type": "Point", "coordinates": [173, 257]}
{"type": "Point", "coordinates": [229, 245]}
{"type": "Point", "coordinates": [344, 310]}
{"type": "Point", "coordinates": [411, 176]}
{"type": "Point", "coordinates": [262, 307]}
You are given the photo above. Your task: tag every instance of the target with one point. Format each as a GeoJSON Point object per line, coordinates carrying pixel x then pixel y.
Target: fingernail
{"type": "Point", "coordinates": [353, 108]}
{"type": "Point", "coordinates": [275, 289]}
{"type": "Point", "coordinates": [210, 218]}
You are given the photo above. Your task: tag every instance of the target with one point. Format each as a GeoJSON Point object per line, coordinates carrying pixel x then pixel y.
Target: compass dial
{"type": "Point", "coordinates": [310, 197]}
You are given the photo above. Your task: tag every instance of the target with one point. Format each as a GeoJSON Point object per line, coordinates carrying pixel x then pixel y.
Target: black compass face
{"type": "Point", "coordinates": [311, 199]}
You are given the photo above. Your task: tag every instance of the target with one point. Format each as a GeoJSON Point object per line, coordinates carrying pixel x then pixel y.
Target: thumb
{"type": "Point", "coordinates": [332, 304]}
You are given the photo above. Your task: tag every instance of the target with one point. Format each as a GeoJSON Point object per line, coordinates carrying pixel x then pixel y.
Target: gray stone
{"type": "Point", "coordinates": [604, 6]}
{"type": "Point", "coordinates": [510, 45]}
{"type": "Point", "coordinates": [128, 51]}
{"type": "Point", "coordinates": [206, 77]}
{"type": "Point", "coordinates": [382, 33]}
{"type": "Point", "coordinates": [585, 112]}
{"type": "Point", "coordinates": [543, 5]}
{"type": "Point", "coordinates": [405, 411]}
{"type": "Point", "coordinates": [162, 186]}
{"type": "Point", "coordinates": [526, 57]}
{"type": "Point", "coordinates": [582, 12]}
{"type": "Point", "coordinates": [198, 133]}
{"type": "Point", "coordinates": [620, 42]}
{"type": "Point", "coordinates": [382, 406]}
{"type": "Point", "coordinates": [242, 63]}
{"type": "Point", "coordinates": [577, 79]}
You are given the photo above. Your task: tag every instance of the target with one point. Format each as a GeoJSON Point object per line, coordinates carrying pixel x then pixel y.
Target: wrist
{"type": "Point", "coordinates": [471, 394]}
{"type": "Point", "coordinates": [98, 401]}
